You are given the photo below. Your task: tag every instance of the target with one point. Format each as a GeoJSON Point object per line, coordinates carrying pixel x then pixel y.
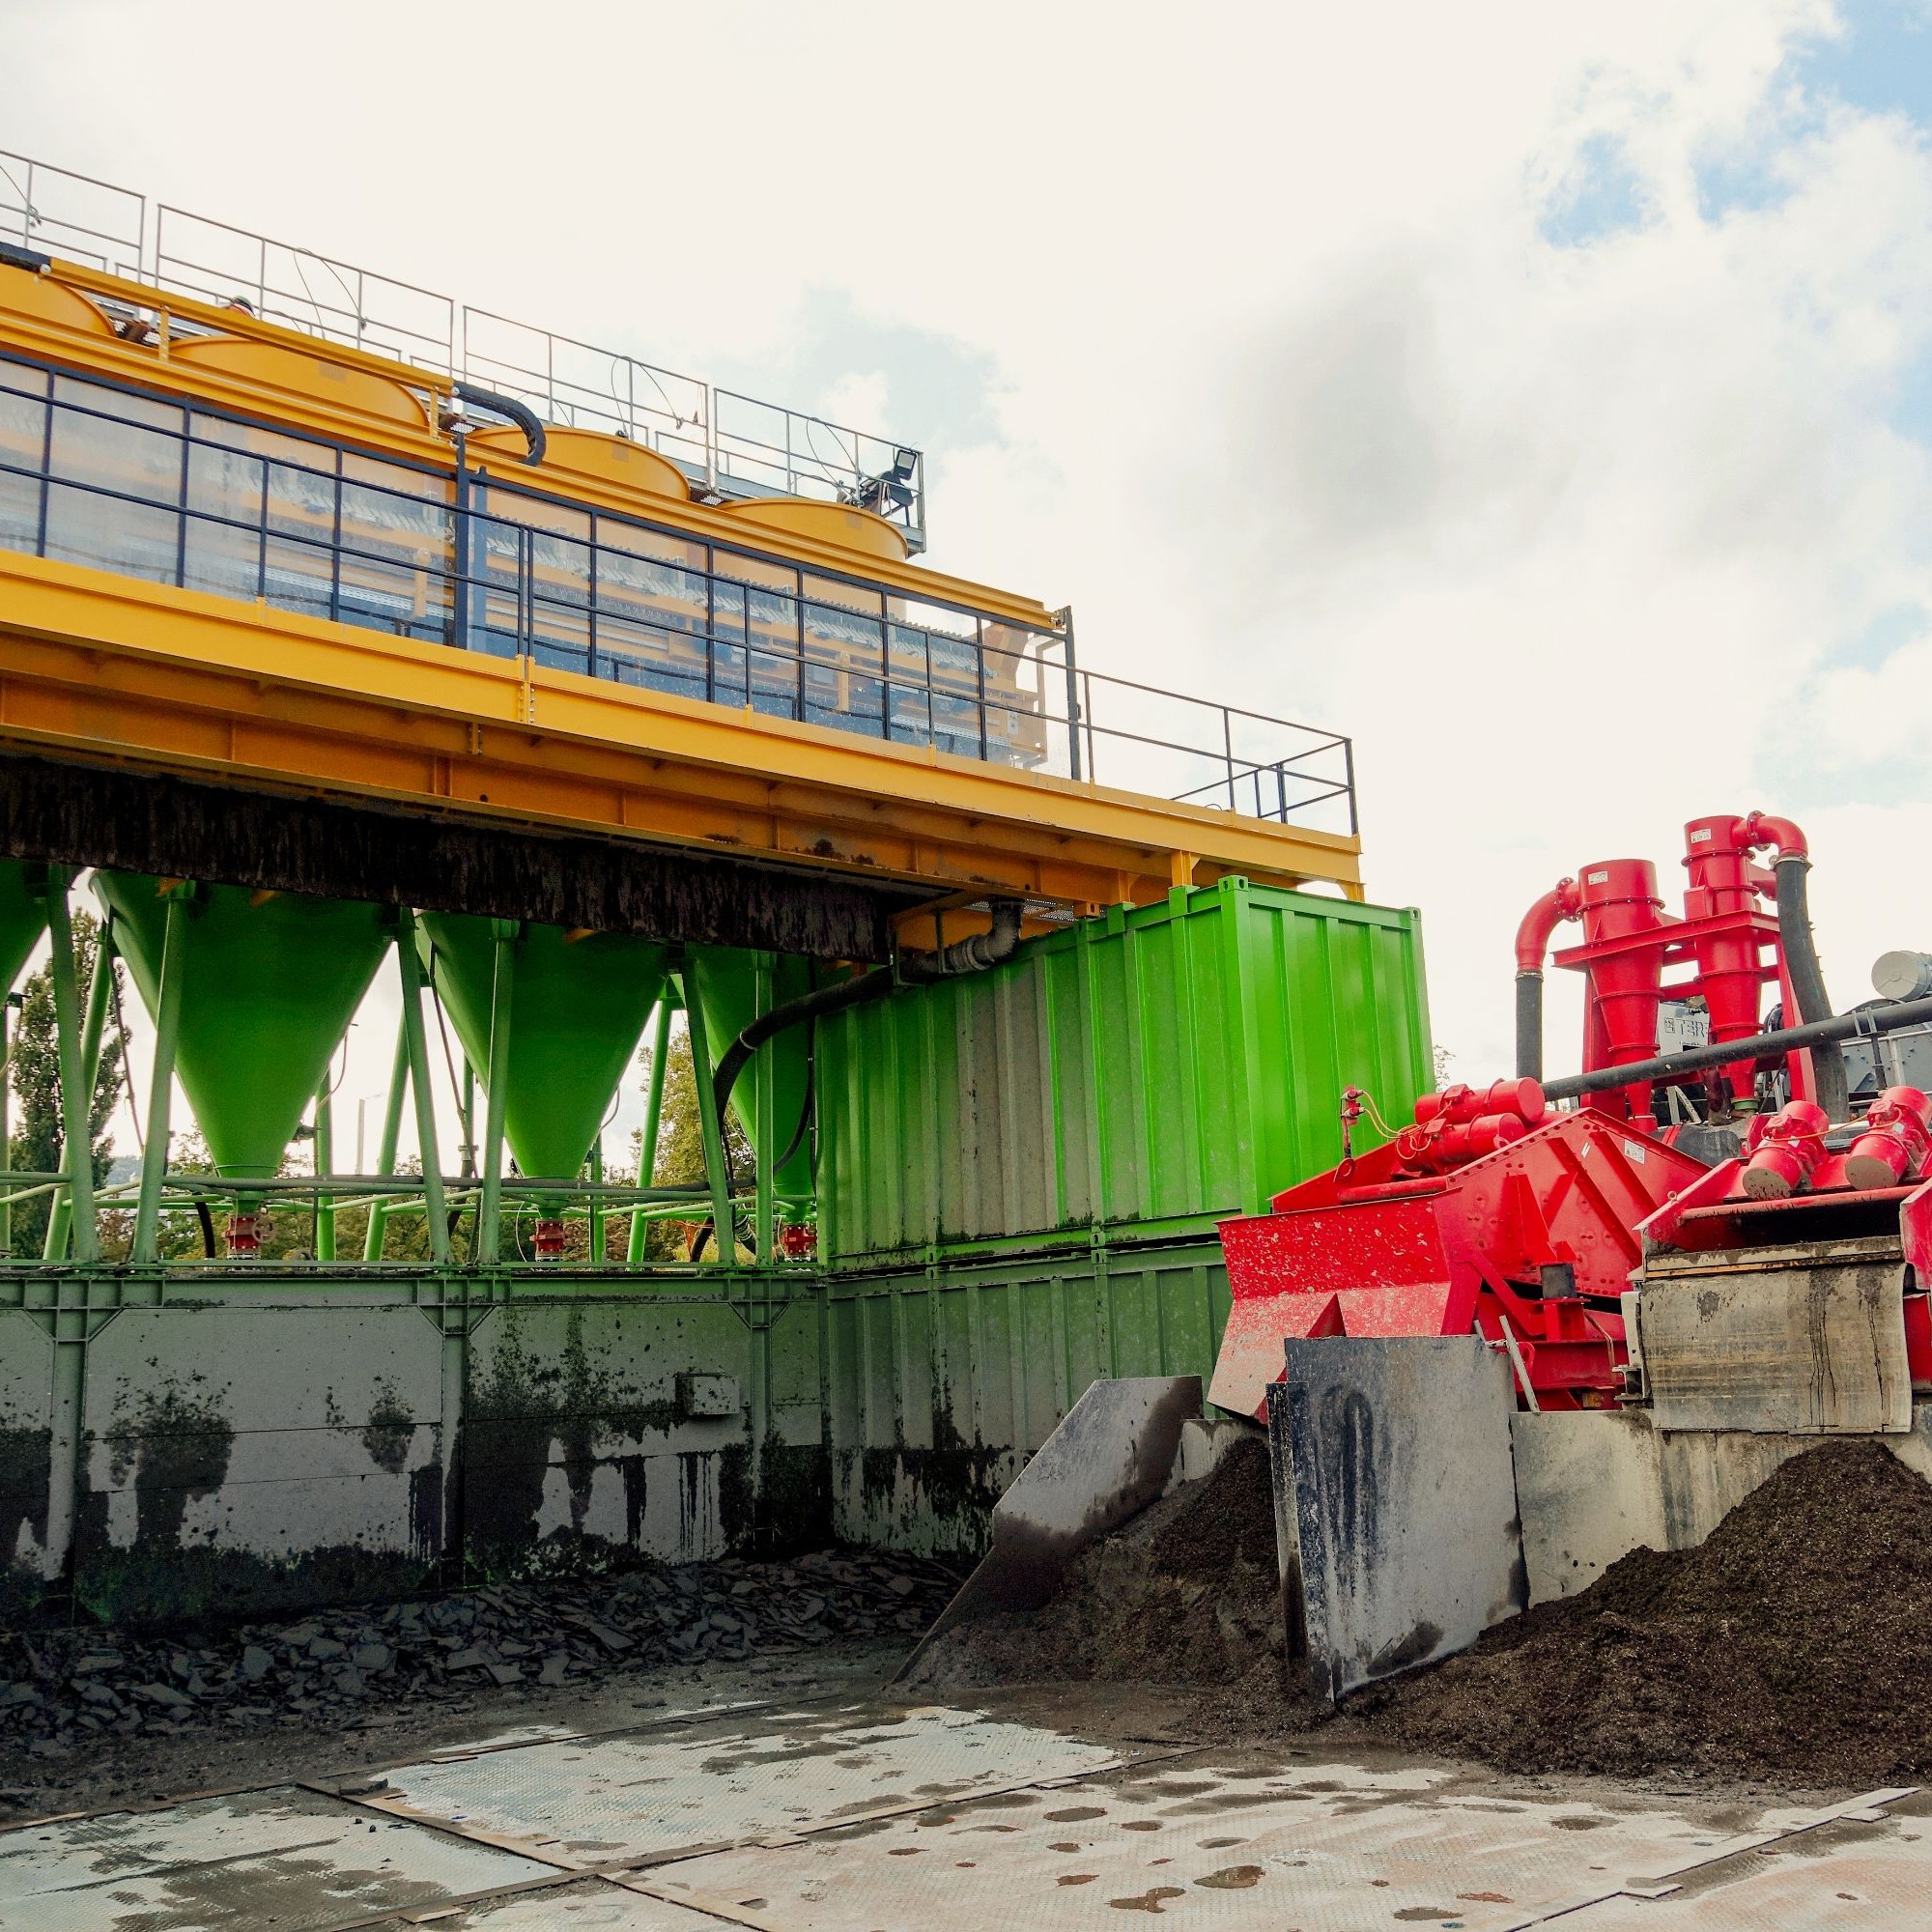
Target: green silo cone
{"type": "Point", "coordinates": [269, 983]}
{"type": "Point", "coordinates": [578, 1007]}
{"type": "Point", "coordinates": [724, 980]}
{"type": "Point", "coordinates": [23, 917]}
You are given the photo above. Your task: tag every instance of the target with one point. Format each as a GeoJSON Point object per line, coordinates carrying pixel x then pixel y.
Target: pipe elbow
{"type": "Point", "coordinates": [1761, 828]}
{"type": "Point", "coordinates": [1532, 936]}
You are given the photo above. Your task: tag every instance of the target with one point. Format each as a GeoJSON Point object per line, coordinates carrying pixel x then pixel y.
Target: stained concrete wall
{"type": "Point", "coordinates": [1593, 1486]}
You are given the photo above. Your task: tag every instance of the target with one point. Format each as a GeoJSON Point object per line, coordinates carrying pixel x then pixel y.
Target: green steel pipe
{"type": "Point", "coordinates": [647, 1145]}
{"type": "Point", "coordinates": [60, 1220]}
{"type": "Point", "coordinates": [766, 1141]}
{"type": "Point", "coordinates": [75, 1096]}
{"type": "Point", "coordinates": [393, 1126]}
{"type": "Point", "coordinates": [325, 1163]}
{"type": "Point", "coordinates": [496, 1088]}
{"type": "Point", "coordinates": [414, 1031]}
{"type": "Point", "coordinates": [710, 1128]}
{"type": "Point", "coordinates": [161, 1082]}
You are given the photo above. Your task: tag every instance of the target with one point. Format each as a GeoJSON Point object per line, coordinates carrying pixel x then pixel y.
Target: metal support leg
{"type": "Point", "coordinates": [496, 1090]}
{"type": "Point", "coordinates": [711, 1130]}
{"type": "Point", "coordinates": [647, 1146]}
{"type": "Point", "coordinates": [597, 1203]}
{"type": "Point", "coordinates": [765, 1140]}
{"type": "Point", "coordinates": [161, 1086]}
{"type": "Point", "coordinates": [325, 1166]}
{"type": "Point", "coordinates": [416, 1040]}
{"type": "Point", "coordinates": [393, 1126]}
{"type": "Point", "coordinates": [60, 1220]}
{"type": "Point", "coordinates": [75, 1096]}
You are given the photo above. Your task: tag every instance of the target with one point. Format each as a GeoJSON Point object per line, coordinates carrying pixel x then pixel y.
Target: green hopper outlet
{"type": "Point", "coordinates": [577, 1003]}
{"type": "Point", "coordinates": [724, 980]}
{"type": "Point", "coordinates": [269, 983]}
{"type": "Point", "coordinates": [23, 917]}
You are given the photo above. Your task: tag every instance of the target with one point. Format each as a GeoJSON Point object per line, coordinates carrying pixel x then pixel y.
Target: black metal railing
{"type": "Point", "coordinates": [149, 487]}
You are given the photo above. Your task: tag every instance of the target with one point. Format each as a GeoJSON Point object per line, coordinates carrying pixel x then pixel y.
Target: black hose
{"type": "Point", "coordinates": [1529, 1024]}
{"type": "Point", "coordinates": [1864, 1023]}
{"type": "Point", "coordinates": [965, 955]}
{"type": "Point", "coordinates": [507, 406]}
{"type": "Point", "coordinates": [1808, 981]}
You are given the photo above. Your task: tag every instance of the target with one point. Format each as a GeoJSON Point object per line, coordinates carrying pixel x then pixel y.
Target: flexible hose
{"type": "Point", "coordinates": [1808, 981]}
{"type": "Point", "coordinates": [1529, 1024]}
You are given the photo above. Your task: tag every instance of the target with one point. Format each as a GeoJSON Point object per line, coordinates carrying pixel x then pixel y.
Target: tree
{"type": "Point", "coordinates": [39, 1137]}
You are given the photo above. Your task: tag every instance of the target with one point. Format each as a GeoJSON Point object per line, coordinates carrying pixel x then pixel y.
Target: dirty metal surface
{"type": "Point", "coordinates": [1805, 1341]}
{"type": "Point", "coordinates": [286, 1856]}
{"type": "Point", "coordinates": [583, 1905]}
{"type": "Point", "coordinates": [1395, 1509]}
{"type": "Point", "coordinates": [1322, 1848]}
{"type": "Point", "coordinates": [602, 1800]}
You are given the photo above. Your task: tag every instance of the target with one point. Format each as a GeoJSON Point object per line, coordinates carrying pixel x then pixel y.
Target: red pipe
{"type": "Point", "coordinates": [1532, 937]}
{"type": "Point", "coordinates": [1760, 827]}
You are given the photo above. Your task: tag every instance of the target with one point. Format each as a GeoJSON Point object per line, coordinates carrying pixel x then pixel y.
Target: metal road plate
{"type": "Point", "coordinates": [1321, 1847]}
{"type": "Point", "coordinates": [1782, 1347]}
{"type": "Point", "coordinates": [598, 1801]}
{"type": "Point", "coordinates": [584, 1905]}
{"type": "Point", "coordinates": [286, 1856]}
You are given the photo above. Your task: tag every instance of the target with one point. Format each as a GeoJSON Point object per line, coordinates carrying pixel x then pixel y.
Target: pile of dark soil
{"type": "Point", "coordinates": [1186, 1593]}
{"type": "Point", "coordinates": [1797, 1639]}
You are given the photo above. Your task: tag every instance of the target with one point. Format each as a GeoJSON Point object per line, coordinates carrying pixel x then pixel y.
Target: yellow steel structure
{"type": "Point", "coordinates": [100, 667]}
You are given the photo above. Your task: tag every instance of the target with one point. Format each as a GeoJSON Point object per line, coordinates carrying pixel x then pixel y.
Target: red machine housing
{"type": "Point", "coordinates": [1724, 933]}
{"type": "Point", "coordinates": [1532, 1243]}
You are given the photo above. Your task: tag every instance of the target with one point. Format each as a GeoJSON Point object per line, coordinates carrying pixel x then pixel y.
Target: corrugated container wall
{"type": "Point", "coordinates": [1145, 1072]}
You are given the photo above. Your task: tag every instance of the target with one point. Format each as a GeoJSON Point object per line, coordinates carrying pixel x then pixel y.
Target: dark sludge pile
{"type": "Point", "coordinates": [330, 1669]}
{"type": "Point", "coordinates": [1188, 1593]}
{"type": "Point", "coordinates": [1797, 1640]}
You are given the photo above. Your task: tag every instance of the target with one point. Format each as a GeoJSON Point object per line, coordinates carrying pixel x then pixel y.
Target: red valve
{"type": "Point", "coordinates": [244, 1237]}
{"type": "Point", "coordinates": [1789, 1154]}
{"type": "Point", "coordinates": [798, 1240]}
{"type": "Point", "coordinates": [547, 1239]}
{"type": "Point", "coordinates": [1898, 1132]}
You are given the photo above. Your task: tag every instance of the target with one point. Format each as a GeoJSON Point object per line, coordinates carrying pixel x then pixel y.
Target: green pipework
{"type": "Point", "coordinates": [647, 1143]}
{"type": "Point", "coordinates": [270, 981]}
{"type": "Point", "coordinates": [100, 990]}
{"type": "Point", "coordinates": [596, 1204]}
{"type": "Point", "coordinates": [325, 1166]}
{"type": "Point", "coordinates": [497, 1085]}
{"type": "Point", "coordinates": [580, 1001]}
{"type": "Point", "coordinates": [75, 1093]}
{"type": "Point", "coordinates": [23, 917]}
{"type": "Point", "coordinates": [169, 993]}
{"type": "Point", "coordinates": [408, 961]}
{"type": "Point", "coordinates": [734, 987]}
{"type": "Point", "coordinates": [393, 1126]}
{"type": "Point", "coordinates": [710, 1129]}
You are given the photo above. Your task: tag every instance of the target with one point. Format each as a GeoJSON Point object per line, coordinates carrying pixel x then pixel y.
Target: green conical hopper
{"type": "Point", "coordinates": [578, 1007]}
{"type": "Point", "coordinates": [723, 982]}
{"type": "Point", "coordinates": [23, 917]}
{"type": "Point", "coordinates": [267, 991]}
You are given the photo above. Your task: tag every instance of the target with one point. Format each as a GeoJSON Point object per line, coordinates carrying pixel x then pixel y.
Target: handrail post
{"type": "Point", "coordinates": [1063, 617]}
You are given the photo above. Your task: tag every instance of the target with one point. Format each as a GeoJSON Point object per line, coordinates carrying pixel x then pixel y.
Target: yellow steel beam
{"type": "Point", "coordinates": [98, 667]}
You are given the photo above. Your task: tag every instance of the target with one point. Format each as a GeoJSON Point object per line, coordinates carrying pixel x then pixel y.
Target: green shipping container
{"type": "Point", "coordinates": [1147, 1073]}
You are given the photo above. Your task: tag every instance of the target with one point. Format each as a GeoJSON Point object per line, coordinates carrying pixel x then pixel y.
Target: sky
{"type": "Point", "coordinates": [1542, 395]}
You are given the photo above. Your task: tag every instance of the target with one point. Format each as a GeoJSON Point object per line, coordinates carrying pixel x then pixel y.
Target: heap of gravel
{"type": "Point", "coordinates": [60, 1689]}
{"type": "Point", "coordinates": [1797, 1639]}
{"type": "Point", "coordinates": [1186, 1593]}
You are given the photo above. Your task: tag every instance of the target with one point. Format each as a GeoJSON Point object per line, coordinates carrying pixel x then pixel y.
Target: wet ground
{"type": "Point", "coordinates": [788, 1792]}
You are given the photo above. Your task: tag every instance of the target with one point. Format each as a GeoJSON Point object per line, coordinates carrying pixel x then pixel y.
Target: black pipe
{"type": "Point", "coordinates": [507, 406]}
{"type": "Point", "coordinates": [1529, 1024]}
{"type": "Point", "coordinates": [1808, 981]}
{"type": "Point", "coordinates": [965, 955]}
{"type": "Point", "coordinates": [1867, 1023]}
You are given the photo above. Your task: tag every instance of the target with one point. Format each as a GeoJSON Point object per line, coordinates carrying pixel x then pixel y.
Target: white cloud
{"type": "Point", "coordinates": [1290, 391]}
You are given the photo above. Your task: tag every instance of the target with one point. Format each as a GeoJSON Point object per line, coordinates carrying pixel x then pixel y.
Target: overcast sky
{"type": "Point", "coordinates": [1541, 395]}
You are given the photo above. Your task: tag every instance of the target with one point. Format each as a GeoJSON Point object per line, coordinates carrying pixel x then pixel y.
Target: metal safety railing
{"type": "Point", "coordinates": [151, 488]}
{"type": "Point", "coordinates": [728, 444]}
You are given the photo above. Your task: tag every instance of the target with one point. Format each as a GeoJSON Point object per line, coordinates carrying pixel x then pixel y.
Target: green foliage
{"type": "Point", "coordinates": [38, 1138]}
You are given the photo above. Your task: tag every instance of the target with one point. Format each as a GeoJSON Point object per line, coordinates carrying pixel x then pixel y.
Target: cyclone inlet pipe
{"type": "Point", "coordinates": [1532, 943]}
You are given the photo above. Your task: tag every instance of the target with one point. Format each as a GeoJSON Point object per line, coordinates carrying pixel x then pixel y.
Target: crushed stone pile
{"type": "Point", "coordinates": [1797, 1639]}
{"type": "Point", "coordinates": [1188, 1593]}
{"type": "Point", "coordinates": [62, 1689]}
